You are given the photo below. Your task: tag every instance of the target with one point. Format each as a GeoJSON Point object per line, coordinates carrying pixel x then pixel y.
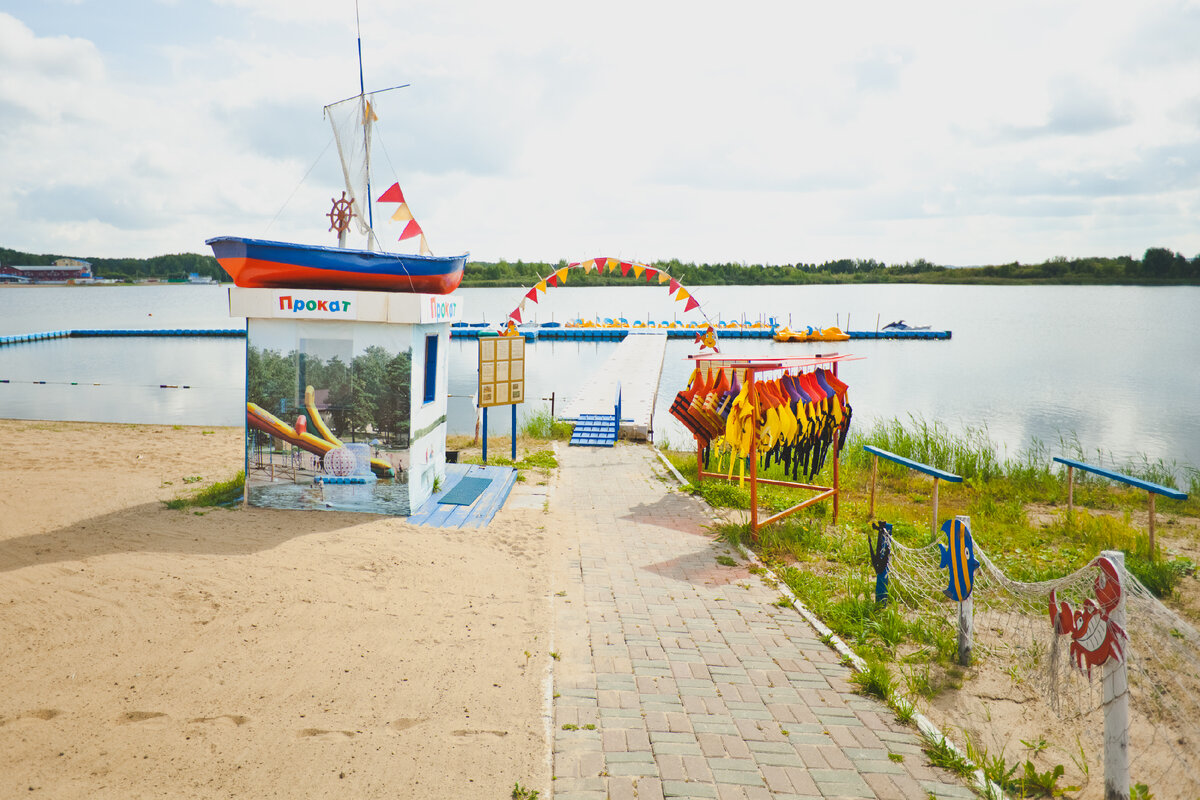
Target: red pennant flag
{"type": "Point", "coordinates": [516, 314]}
{"type": "Point", "coordinates": [552, 280]}
{"type": "Point", "coordinates": [691, 303]}
{"type": "Point", "coordinates": [674, 286]}
{"type": "Point", "coordinates": [410, 230]}
{"type": "Point", "coordinates": [392, 195]}
{"type": "Point", "coordinates": [650, 273]}
{"type": "Point", "coordinates": [532, 294]}
{"type": "Point", "coordinates": [625, 265]}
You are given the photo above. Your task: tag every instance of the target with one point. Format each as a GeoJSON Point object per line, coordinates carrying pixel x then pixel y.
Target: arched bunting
{"type": "Point", "coordinates": [609, 265]}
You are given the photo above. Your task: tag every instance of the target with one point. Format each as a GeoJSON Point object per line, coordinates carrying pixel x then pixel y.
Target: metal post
{"type": "Point", "coordinates": [966, 618]}
{"type": "Point", "coordinates": [485, 432]}
{"type": "Point", "coordinates": [753, 458]}
{"type": "Point", "coordinates": [514, 432]}
{"type": "Point", "coordinates": [874, 470]}
{"type": "Point", "coordinates": [1115, 699]}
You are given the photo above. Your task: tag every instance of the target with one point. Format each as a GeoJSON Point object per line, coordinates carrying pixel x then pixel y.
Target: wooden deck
{"type": "Point", "coordinates": [637, 366]}
{"type": "Point", "coordinates": [476, 515]}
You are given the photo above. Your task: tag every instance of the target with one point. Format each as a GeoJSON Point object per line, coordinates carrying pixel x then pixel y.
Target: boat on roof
{"type": "Point", "coordinates": [260, 263]}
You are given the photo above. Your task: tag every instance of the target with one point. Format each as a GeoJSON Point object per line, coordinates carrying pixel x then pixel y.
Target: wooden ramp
{"type": "Point", "coordinates": [636, 366]}
{"type": "Point", "coordinates": [477, 514]}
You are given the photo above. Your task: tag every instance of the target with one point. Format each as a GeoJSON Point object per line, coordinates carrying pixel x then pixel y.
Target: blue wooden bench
{"type": "Point", "coordinates": [1152, 488]}
{"type": "Point", "coordinates": [917, 466]}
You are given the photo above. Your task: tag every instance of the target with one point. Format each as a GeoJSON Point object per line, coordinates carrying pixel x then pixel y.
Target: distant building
{"type": "Point", "coordinates": [61, 271]}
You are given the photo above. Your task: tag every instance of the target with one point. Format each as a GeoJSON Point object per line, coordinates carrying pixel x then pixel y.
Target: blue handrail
{"type": "Point", "coordinates": [1156, 488]}
{"type": "Point", "coordinates": [914, 465]}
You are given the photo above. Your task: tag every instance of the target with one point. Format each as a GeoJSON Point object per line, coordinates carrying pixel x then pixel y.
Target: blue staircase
{"type": "Point", "coordinates": [595, 430]}
{"type": "Point", "coordinates": [598, 430]}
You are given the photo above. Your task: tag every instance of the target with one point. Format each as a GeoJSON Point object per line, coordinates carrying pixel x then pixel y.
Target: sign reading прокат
{"type": "Point", "coordinates": [315, 305]}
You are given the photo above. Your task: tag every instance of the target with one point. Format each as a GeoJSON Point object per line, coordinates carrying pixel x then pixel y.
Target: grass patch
{"type": "Point", "coordinates": [224, 494]}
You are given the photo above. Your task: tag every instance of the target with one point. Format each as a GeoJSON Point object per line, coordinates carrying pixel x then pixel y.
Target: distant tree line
{"type": "Point", "coordinates": [1158, 265]}
{"type": "Point", "coordinates": [174, 267]}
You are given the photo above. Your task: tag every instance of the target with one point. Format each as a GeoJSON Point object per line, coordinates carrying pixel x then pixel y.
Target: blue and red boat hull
{"type": "Point", "coordinates": [257, 263]}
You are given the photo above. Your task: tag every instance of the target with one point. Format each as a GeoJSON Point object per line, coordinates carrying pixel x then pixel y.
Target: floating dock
{"type": "Point", "coordinates": [556, 333]}
{"type": "Point", "coordinates": [88, 333]}
{"type": "Point", "coordinates": [636, 367]}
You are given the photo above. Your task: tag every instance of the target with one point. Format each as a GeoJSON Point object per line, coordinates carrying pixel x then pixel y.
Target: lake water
{"type": "Point", "coordinates": [1113, 367]}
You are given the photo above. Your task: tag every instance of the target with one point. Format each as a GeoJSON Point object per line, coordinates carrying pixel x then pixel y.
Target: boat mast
{"type": "Point", "coordinates": [362, 90]}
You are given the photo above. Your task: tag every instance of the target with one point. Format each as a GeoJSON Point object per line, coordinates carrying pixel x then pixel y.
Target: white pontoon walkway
{"type": "Point", "coordinates": [637, 366]}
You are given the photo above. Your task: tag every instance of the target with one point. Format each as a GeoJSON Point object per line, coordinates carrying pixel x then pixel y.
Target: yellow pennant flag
{"type": "Point", "coordinates": [402, 214]}
{"type": "Point", "coordinates": [612, 265]}
{"type": "Point", "coordinates": [369, 114]}
{"type": "Point", "coordinates": [562, 275]}
{"type": "Point", "coordinates": [541, 287]}
{"type": "Point", "coordinates": [663, 277]}
{"type": "Point", "coordinates": [590, 264]}
{"type": "Point", "coordinates": [682, 294]}
{"type": "Point", "coordinates": [638, 269]}
{"type": "Point", "coordinates": [425, 251]}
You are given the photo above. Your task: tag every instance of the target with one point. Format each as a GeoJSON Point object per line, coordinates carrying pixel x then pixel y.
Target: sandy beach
{"type": "Point", "coordinates": [152, 652]}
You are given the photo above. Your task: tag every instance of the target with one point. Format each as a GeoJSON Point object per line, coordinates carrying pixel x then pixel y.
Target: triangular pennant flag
{"type": "Point", "coordinates": [516, 314]}
{"type": "Point", "coordinates": [521, 305]}
{"type": "Point", "coordinates": [369, 114]}
{"type": "Point", "coordinates": [638, 269]}
{"type": "Point", "coordinates": [572, 265]}
{"type": "Point", "coordinates": [402, 213]}
{"type": "Point", "coordinates": [691, 303]}
{"type": "Point", "coordinates": [625, 265]}
{"type": "Point", "coordinates": [392, 195]}
{"type": "Point", "coordinates": [532, 294]}
{"type": "Point", "coordinates": [663, 277]}
{"type": "Point", "coordinates": [541, 286]}
{"type": "Point", "coordinates": [613, 264]}
{"type": "Point", "coordinates": [674, 284]}
{"type": "Point", "coordinates": [683, 294]}
{"type": "Point", "coordinates": [650, 273]}
{"type": "Point", "coordinates": [562, 274]}
{"type": "Point", "coordinates": [410, 230]}
{"type": "Point", "coordinates": [552, 280]}
{"type": "Point", "coordinates": [425, 251]}
{"type": "Point", "coordinates": [590, 264]}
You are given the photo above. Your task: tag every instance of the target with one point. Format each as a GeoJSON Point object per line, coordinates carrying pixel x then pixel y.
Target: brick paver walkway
{"type": "Point", "coordinates": [680, 677]}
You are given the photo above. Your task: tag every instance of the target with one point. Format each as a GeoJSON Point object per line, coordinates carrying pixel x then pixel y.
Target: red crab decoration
{"type": "Point", "coordinates": [1095, 637]}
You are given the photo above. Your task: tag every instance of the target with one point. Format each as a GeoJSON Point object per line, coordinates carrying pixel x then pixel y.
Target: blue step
{"type": "Point", "coordinates": [595, 430]}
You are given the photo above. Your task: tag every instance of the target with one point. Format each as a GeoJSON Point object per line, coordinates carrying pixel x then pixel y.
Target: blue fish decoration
{"type": "Point", "coordinates": [959, 555]}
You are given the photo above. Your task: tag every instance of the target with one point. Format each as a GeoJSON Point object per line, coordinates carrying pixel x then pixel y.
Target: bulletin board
{"type": "Point", "coordinates": [501, 371]}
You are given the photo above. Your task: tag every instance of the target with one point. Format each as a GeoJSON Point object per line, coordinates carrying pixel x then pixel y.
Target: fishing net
{"type": "Point", "coordinates": [352, 121]}
{"type": "Point", "coordinates": [1012, 629]}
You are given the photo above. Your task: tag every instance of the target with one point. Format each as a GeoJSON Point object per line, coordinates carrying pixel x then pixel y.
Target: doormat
{"type": "Point", "coordinates": [466, 491]}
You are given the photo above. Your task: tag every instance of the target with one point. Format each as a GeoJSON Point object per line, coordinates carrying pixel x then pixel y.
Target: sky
{"type": "Point", "coordinates": [771, 132]}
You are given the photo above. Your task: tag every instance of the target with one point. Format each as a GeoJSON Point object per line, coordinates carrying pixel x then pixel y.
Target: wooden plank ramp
{"type": "Point", "coordinates": [477, 514]}
{"type": "Point", "coordinates": [636, 366]}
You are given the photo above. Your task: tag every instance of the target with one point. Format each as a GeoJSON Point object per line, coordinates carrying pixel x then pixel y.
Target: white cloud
{"type": "Point", "coordinates": [774, 132]}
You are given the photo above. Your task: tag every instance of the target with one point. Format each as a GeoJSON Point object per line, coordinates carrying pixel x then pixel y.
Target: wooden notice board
{"type": "Point", "coordinates": [501, 370]}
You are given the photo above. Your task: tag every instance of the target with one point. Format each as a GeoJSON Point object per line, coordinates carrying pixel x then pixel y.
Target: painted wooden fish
{"type": "Point", "coordinates": [881, 556]}
{"type": "Point", "coordinates": [959, 555]}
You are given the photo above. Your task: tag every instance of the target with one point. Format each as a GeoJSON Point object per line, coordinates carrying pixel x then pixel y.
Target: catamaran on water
{"type": "Point", "coordinates": [270, 264]}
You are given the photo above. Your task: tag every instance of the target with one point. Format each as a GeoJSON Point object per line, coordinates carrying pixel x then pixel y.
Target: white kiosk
{"type": "Point", "coordinates": [345, 397]}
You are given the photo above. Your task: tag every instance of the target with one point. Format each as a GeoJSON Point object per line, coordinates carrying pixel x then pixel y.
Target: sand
{"type": "Point", "coordinates": [151, 652]}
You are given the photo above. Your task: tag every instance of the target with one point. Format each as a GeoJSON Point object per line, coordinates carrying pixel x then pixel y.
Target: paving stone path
{"type": "Point", "coordinates": [679, 677]}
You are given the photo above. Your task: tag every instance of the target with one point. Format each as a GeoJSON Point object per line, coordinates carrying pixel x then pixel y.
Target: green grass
{"type": "Point", "coordinates": [224, 493]}
{"type": "Point", "coordinates": [540, 425]}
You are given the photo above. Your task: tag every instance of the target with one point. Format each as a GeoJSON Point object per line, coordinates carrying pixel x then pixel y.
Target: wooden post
{"type": "Point", "coordinates": [1070, 491]}
{"type": "Point", "coordinates": [966, 619]}
{"type": "Point", "coordinates": [874, 470]}
{"type": "Point", "coordinates": [1152, 551]}
{"type": "Point", "coordinates": [934, 526]}
{"type": "Point", "coordinates": [1115, 700]}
